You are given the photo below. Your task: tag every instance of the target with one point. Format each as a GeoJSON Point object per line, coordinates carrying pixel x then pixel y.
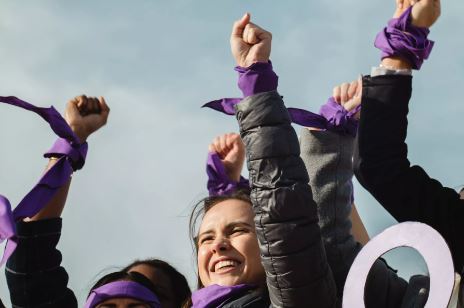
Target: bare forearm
{"type": "Point", "coordinates": [358, 230]}
{"type": "Point", "coordinates": [56, 205]}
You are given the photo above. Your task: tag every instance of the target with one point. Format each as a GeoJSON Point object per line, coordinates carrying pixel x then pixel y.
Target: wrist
{"type": "Point", "coordinates": [397, 63]}
{"type": "Point", "coordinates": [80, 133]}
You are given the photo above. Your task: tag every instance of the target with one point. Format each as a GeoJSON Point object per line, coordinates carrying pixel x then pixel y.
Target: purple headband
{"type": "Point", "coordinates": [123, 289]}
{"type": "Point", "coordinates": [401, 38]}
{"type": "Point", "coordinates": [72, 157]}
{"type": "Point", "coordinates": [332, 117]}
{"type": "Point", "coordinates": [219, 183]}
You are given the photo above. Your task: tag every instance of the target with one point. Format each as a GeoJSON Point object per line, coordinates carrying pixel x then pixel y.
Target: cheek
{"type": "Point", "coordinates": [203, 258]}
{"type": "Point", "coordinates": [248, 246]}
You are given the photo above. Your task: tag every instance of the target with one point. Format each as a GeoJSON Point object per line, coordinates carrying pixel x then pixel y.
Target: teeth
{"type": "Point", "coordinates": [225, 263]}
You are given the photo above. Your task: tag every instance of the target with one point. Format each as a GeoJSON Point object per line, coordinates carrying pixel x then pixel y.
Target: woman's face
{"type": "Point", "coordinates": [122, 303]}
{"type": "Point", "coordinates": [228, 251]}
{"type": "Point", "coordinates": [162, 283]}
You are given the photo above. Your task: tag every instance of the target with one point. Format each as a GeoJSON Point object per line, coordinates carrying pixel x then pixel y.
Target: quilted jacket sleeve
{"type": "Point", "coordinates": [34, 273]}
{"type": "Point", "coordinates": [285, 213]}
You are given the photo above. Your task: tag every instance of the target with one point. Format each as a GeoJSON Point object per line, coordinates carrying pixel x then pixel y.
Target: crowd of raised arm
{"type": "Point", "coordinates": [287, 235]}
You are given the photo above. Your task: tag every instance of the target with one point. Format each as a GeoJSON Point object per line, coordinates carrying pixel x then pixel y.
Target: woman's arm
{"type": "Point", "coordinates": [84, 115]}
{"type": "Point", "coordinates": [382, 166]}
{"type": "Point", "coordinates": [358, 230]}
{"type": "Point", "coordinates": [34, 273]}
{"type": "Point", "coordinates": [285, 213]}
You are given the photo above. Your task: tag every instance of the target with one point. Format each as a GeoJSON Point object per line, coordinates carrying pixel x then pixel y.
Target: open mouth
{"type": "Point", "coordinates": [224, 266]}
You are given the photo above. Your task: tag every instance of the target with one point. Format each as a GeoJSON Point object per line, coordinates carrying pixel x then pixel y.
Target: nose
{"type": "Point", "coordinates": [220, 244]}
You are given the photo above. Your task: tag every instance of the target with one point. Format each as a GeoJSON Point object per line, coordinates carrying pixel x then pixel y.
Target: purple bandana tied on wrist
{"type": "Point", "coordinates": [122, 289]}
{"type": "Point", "coordinates": [400, 38]}
{"type": "Point", "coordinates": [332, 117]}
{"type": "Point", "coordinates": [72, 157]}
{"type": "Point", "coordinates": [260, 77]}
{"type": "Point", "coordinates": [257, 78]}
{"type": "Point", "coordinates": [213, 296]}
{"type": "Point", "coordinates": [219, 183]}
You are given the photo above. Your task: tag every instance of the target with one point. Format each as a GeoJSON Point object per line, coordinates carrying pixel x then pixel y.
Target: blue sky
{"type": "Point", "coordinates": [156, 62]}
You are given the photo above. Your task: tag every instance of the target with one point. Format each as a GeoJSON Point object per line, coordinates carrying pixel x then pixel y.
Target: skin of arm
{"type": "Point", "coordinates": [84, 115]}
{"type": "Point", "coordinates": [358, 230]}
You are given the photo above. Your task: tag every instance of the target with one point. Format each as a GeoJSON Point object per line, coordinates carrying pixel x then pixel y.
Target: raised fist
{"type": "Point", "coordinates": [85, 115]}
{"type": "Point", "coordinates": [231, 150]}
{"type": "Point", "coordinates": [349, 95]}
{"type": "Point", "coordinates": [424, 12]}
{"type": "Point", "coordinates": [249, 43]}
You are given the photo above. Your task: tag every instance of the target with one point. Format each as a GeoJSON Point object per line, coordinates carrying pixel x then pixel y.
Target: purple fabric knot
{"type": "Point", "coordinates": [214, 295]}
{"type": "Point", "coordinates": [76, 153]}
{"type": "Point", "coordinates": [219, 184]}
{"type": "Point", "coordinates": [338, 118]}
{"type": "Point", "coordinates": [332, 117]}
{"type": "Point", "coordinates": [257, 78]}
{"type": "Point", "coordinates": [400, 38]}
{"type": "Point", "coordinates": [122, 289]}
{"type": "Point", "coordinates": [50, 182]}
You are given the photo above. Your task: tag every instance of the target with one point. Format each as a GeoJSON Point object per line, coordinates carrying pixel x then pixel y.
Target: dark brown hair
{"type": "Point", "coordinates": [179, 284]}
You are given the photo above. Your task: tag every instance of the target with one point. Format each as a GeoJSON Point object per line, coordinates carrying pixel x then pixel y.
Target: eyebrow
{"type": "Point", "coordinates": [228, 226]}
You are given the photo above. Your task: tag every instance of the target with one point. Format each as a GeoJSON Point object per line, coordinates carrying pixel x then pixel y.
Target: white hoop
{"type": "Point", "coordinates": [419, 236]}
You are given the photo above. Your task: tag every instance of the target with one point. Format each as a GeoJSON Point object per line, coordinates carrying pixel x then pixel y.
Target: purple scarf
{"type": "Point", "coordinates": [122, 289]}
{"type": "Point", "coordinates": [72, 157]}
{"type": "Point", "coordinates": [332, 117]}
{"type": "Point", "coordinates": [214, 295]}
{"type": "Point", "coordinates": [401, 38]}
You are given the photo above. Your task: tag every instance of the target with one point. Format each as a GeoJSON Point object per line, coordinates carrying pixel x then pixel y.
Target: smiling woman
{"type": "Point", "coordinates": [226, 243]}
{"type": "Point", "coordinates": [228, 250]}
{"type": "Point", "coordinates": [265, 249]}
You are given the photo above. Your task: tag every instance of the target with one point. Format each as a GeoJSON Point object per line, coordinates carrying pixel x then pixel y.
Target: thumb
{"type": "Point", "coordinates": [239, 25]}
{"type": "Point", "coordinates": [72, 112]}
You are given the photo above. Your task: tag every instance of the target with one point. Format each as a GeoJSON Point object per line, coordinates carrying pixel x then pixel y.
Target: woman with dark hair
{"type": "Point", "coordinates": [270, 252]}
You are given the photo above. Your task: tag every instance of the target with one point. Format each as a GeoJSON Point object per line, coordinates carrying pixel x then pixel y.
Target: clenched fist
{"type": "Point", "coordinates": [424, 12]}
{"type": "Point", "coordinates": [231, 150]}
{"type": "Point", "coordinates": [85, 115]}
{"type": "Point", "coordinates": [249, 43]}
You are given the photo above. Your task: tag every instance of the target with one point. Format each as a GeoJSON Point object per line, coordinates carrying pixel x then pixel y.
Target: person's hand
{"type": "Point", "coordinates": [424, 12]}
{"type": "Point", "coordinates": [231, 150]}
{"type": "Point", "coordinates": [349, 95]}
{"type": "Point", "coordinates": [85, 115]}
{"type": "Point", "coordinates": [249, 43]}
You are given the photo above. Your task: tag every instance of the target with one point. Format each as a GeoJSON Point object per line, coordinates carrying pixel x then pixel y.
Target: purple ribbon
{"type": "Point", "coordinates": [72, 158]}
{"type": "Point", "coordinates": [332, 117]}
{"type": "Point", "coordinates": [214, 295]}
{"type": "Point", "coordinates": [122, 289]}
{"type": "Point", "coordinates": [257, 78]}
{"type": "Point", "coordinates": [401, 38]}
{"type": "Point", "coordinates": [219, 184]}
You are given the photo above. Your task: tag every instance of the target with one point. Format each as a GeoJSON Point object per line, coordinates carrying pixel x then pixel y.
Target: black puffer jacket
{"type": "Point", "coordinates": [286, 216]}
